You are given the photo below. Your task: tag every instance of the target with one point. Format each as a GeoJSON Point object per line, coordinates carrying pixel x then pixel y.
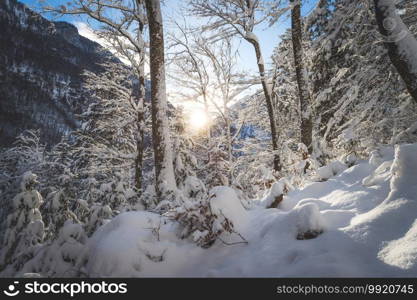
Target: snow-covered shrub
{"type": "Point", "coordinates": [99, 214]}
{"type": "Point", "coordinates": [350, 160]}
{"type": "Point", "coordinates": [309, 221]}
{"type": "Point", "coordinates": [332, 169]}
{"type": "Point", "coordinates": [217, 167]}
{"type": "Point", "coordinates": [209, 219]}
{"type": "Point", "coordinates": [64, 257]}
{"type": "Point", "coordinates": [25, 228]}
{"type": "Point", "coordinates": [276, 193]}
{"type": "Point", "coordinates": [194, 188]}
{"type": "Point", "coordinates": [56, 213]}
{"type": "Point", "coordinates": [253, 174]}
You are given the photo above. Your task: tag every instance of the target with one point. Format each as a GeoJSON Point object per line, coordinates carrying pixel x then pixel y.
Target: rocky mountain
{"type": "Point", "coordinates": [41, 73]}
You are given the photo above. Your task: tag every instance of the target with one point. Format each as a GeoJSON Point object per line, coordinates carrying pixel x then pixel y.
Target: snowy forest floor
{"type": "Point", "coordinates": [367, 215]}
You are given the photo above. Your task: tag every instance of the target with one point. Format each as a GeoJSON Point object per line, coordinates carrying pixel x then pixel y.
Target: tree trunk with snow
{"type": "Point", "coordinates": [400, 42]}
{"type": "Point", "coordinates": [164, 169]}
{"type": "Point", "coordinates": [268, 98]}
{"type": "Point", "coordinates": [140, 111]}
{"type": "Point", "coordinates": [301, 74]}
{"type": "Point", "coordinates": [140, 134]}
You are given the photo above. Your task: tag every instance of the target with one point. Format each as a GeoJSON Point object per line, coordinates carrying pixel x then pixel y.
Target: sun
{"type": "Point", "coordinates": [198, 119]}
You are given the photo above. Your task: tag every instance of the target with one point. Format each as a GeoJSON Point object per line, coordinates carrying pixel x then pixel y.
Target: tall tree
{"type": "Point", "coordinates": [301, 74]}
{"type": "Point", "coordinates": [400, 42]}
{"type": "Point", "coordinates": [240, 18]}
{"type": "Point", "coordinates": [164, 169]}
{"type": "Point", "coordinates": [120, 20]}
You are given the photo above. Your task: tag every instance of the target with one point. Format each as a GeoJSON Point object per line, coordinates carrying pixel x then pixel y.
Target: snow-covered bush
{"type": "Point", "coordinates": [209, 219]}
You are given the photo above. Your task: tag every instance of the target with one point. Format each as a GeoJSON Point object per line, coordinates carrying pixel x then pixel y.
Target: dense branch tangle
{"type": "Point", "coordinates": [239, 18]}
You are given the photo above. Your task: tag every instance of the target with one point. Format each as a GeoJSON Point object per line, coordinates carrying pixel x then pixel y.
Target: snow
{"type": "Point", "coordinates": [330, 170]}
{"type": "Point", "coordinates": [251, 36]}
{"type": "Point", "coordinates": [138, 244]}
{"type": "Point", "coordinates": [365, 218]}
{"type": "Point", "coordinates": [308, 218]}
{"type": "Point", "coordinates": [402, 252]}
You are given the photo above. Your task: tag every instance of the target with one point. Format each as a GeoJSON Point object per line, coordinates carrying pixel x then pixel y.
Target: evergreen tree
{"type": "Point", "coordinates": [25, 227]}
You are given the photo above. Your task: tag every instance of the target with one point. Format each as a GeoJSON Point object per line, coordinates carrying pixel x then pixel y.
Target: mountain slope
{"type": "Point", "coordinates": [41, 67]}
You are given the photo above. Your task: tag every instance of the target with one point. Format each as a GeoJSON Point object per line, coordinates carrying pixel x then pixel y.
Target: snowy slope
{"type": "Point", "coordinates": [368, 215]}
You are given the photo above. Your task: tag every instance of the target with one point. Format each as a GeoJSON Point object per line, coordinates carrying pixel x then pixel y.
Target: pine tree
{"type": "Point", "coordinates": [218, 167]}
{"type": "Point", "coordinates": [25, 228]}
{"type": "Point", "coordinates": [65, 256]}
{"type": "Point", "coordinates": [317, 21]}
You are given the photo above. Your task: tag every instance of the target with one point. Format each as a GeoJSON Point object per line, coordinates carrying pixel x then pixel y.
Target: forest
{"type": "Point", "coordinates": [208, 138]}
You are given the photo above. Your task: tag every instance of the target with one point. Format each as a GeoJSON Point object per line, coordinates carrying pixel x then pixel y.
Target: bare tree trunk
{"type": "Point", "coordinates": [269, 104]}
{"type": "Point", "coordinates": [164, 169]}
{"type": "Point", "coordinates": [400, 42]}
{"type": "Point", "coordinates": [301, 74]}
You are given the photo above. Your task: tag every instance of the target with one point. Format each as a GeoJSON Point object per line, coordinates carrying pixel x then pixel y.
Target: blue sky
{"type": "Point", "coordinates": [269, 36]}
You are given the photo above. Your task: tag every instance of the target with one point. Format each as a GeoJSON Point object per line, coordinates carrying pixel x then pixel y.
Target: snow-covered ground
{"type": "Point", "coordinates": [368, 215]}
